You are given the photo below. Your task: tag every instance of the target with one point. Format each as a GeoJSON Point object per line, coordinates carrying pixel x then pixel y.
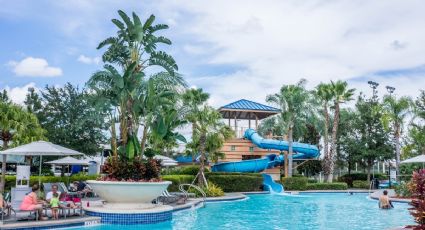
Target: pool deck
{"type": "Point", "coordinates": [391, 193]}
{"type": "Point", "coordinates": [53, 224]}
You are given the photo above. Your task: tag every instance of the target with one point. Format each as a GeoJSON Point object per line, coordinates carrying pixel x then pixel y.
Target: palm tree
{"type": "Point", "coordinates": [19, 127]}
{"type": "Point", "coordinates": [134, 49]}
{"type": "Point", "coordinates": [340, 94]}
{"type": "Point", "coordinates": [324, 94]}
{"type": "Point", "coordinates": [193, 99]}
{"type": "Point", "coordinates": [395, 112]}
{"type": "Point", "coordinates": [296, 104]}
{"type": "Point", "coordinates": [208, 121]}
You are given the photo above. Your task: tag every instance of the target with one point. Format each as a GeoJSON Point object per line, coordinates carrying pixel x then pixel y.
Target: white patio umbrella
{"type": "Point", "coordinates": [68, 161]}
{"type": "Point", "coordinates": [40, 148]}
{"type": "Point", "coordinates": [165, 161]}
{"type": "Point", "coordinates": [417, 159]}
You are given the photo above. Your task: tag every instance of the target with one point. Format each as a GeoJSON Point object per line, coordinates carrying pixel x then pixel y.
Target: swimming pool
{"type": "Point", "coordinates": [307, 211]}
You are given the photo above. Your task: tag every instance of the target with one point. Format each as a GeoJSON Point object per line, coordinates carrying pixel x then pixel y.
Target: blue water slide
{"type": "Point", "coordinates": [301, 151]}
{"type": "Point", "coordinates": [246, 166]}
{"type": "Point", "coordinates": [270, 185]}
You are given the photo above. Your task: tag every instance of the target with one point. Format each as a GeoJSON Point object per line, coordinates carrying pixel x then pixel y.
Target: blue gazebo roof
{"type": "Point", "coordinates": [246, 109]}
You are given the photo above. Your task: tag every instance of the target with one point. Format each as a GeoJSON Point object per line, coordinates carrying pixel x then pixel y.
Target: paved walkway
{"type": "Point", "coordinates": [391, 193]}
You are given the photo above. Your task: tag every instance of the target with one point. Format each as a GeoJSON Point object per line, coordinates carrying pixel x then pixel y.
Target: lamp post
{"type": "Point", "coordinates": [374, 85]}
{"type": "Point", "coordinates": [390, 89]}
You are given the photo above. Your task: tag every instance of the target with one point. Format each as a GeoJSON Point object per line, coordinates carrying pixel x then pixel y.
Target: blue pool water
{"type": "Point", "coordinates": [308, 211]}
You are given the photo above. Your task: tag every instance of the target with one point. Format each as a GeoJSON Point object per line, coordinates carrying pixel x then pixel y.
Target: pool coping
{"type": "Point", "coordinates": [52, 224]}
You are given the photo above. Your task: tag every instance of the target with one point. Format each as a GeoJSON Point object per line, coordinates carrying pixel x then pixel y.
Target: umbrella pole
{"type": "Point", "coordinates": [39, 172]}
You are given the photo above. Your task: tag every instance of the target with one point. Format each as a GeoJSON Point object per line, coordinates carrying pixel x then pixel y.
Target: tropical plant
{"type": "Point", "coordinates": [215, 141]}
{"type": "Point", "coordinates": [193, 99]}
{"type": "Point", "coordinates": [207, 122]}
{"type": "Point", "coordinates": [4, 97]}
{"type": "Point", "coordinates": [296, 104]}
{"type": "Point", "coordinates": [134, 98]}
{"type": "Point", "coordinates": [340, 94]}
{"type": "Point", "coordinates": [16, 127]}
{"type": "Point", "coordinates": [324, 94]}
{"type": "Point", "coordinates": [395, 113]}
{"type": "Point", "coordinates": [418, 201]}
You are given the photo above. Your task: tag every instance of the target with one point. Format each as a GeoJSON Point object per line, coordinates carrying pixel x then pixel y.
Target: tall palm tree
{"type": "Point", "coordinates": [324, 94]}
{"type": "Point", "coordinates": [340, 94]}
{"type": "Point", "coordinates": [208, 121]}
{"type": "Point", "coordinates": [17, 126]}
{"type": "Point", "coordinates": [296, 104]}
{"type": "Point", "coordinates": [134, 49]}
{"type": "Point", "coordinates": [193, 99]}
{"type": "Point", "coordinates": [395, 113]}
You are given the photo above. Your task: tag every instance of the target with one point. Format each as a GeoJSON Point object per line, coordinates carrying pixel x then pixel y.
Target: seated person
{"type": "Point", "coordinates": [65, 201]}
{"type": "Point", "coordinates": [384, 201]}
{"type": "Point", "coordinates": [54, 204]}
{"type": "Point", "coordinates": [31, 202]}
{"type": "Point", "coordinates": [55, 189]}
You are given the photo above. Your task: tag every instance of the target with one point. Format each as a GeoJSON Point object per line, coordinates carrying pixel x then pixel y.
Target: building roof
{"type": "Point", "coordinates": [246, 109]}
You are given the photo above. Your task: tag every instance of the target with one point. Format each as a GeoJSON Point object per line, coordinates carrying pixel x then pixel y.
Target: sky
{"type": "Point", "coordinates": [232, 49]}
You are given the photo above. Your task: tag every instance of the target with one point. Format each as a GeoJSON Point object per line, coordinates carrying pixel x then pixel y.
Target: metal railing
{"type": "Point", "coordinates": [186, 193]}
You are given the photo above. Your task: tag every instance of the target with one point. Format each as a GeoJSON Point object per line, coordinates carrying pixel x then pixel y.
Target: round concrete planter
{"type": "Point", "coordinates": [128, 192]}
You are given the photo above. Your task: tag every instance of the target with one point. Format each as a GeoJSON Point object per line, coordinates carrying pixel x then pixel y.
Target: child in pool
{"type": "Point", "coordinates": [54, 204]}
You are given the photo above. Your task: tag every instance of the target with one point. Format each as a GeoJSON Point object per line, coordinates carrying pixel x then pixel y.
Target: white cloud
{"type": "Point", "coordinates": [34, 67]}
{"type": "Point", "coordinates": [88, 60]}
{"type": "Point", "coordinates": [273, 42]}
{"type": "Point", "coordinates": [18, 94]}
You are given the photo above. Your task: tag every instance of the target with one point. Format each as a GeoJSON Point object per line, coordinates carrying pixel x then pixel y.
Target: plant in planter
{"type": "Point", "coordinates": [135, 99]}
{"type": "Point", "coordinates": [418, 202]}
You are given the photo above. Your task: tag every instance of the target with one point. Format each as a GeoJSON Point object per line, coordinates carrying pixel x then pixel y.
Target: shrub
{"type": "Point", "coordinates": [177, 180]}
{"type": "Point", "coordinates": [295, 183]}
{"type": "Point", "coordinates": [327, 186]}
{"type": "Point", "coordinates": [186, 170]}
{"type": "Point", "coordinates": [359, 176]}
{"type": "Point", "coordinates": [361, 184]}
{"type": "Point", "coordinates": [418, 202]}
{"type": "Point", "coordinates": [136, 169]}
{"type": "Point", "coordinates": [312, 181]}
{"type": "Point", "coordinates": [403, 190]}
{"type": "Point", "coordinates": [212, 190]}
{"type": "Point", "coordinates": [236, 182]}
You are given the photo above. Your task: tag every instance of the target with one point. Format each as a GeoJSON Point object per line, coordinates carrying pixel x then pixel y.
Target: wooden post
{"type": "Point", "coordinates": [256, 121]}
{"type": "Point", "coordinates": [236, 126]}
{"type": "Point", "coordinates": [249, 119]}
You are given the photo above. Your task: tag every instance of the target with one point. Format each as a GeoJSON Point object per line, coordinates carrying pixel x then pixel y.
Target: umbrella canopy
{"type": "Point", "coordinates": [40, 148]}
{"type": "Point", "coordinates": [68, 161]}
{"type": "Point", "coordinates": [165, 161]}
{"type": "Point", "coordinates": [417, 159]}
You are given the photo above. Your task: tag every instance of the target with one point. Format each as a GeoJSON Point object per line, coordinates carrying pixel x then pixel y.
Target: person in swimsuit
{"type": "Point", "coordinates": [384, 201]}
{"type": "Point", "coordinates": [31, 202]}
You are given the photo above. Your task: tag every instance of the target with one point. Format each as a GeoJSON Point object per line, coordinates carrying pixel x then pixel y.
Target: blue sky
{"type": "Point", "coordinates": [233, 49]}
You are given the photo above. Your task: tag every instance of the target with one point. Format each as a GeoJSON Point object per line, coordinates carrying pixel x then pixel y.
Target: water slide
{"type": "Point", "coordinates": [301, 151]}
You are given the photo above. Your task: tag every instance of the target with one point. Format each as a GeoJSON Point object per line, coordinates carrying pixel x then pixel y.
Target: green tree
{"type": "Point", "coordinates": [17, 127]}
{"type": "Point", "coordinates": [324, 95]}
{"type": "Point", "coordinates": [193, 99]}
{"type": "Point", "coordinates": [208, 122]}
{"type": "Point", "coordinates": [395, 113]}
{"type": "Point", "coordinates": [340, 94]}
{"type": "Point", "coordinates": [4, 97]}
{"type": "Point", "coordinates": [296, 104]}
{"type": "Point", "coordinates": [415, 141]}
{"type": "Point", "coordinates": [373, 140]}
{"type": "Point", "coordinates": [69, 118]}
{"type": "Point", "coordinates": [134, 49]}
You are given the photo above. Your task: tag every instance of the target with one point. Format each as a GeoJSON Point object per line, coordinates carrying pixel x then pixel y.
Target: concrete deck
{"type": "Point", "coordinates": [53, 224]}
{"type": "Point", "coordinates": [391, 193]}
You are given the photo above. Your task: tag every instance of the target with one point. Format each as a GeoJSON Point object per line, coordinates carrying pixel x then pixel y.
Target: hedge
{"type": "Point", "coordinates": [177, 180]}
{"type": "Point", "coordinates": [185, 170]}
{"type": "Point", "coordinates": [359, 176]}
{"type": "Point", "coordinates": [295, 183]}
{"type": "Point", "coordinates": [327, 186]}
{"type": "Point", "coordinates": [11, 180]}
{"type": "Point", "coordinates": [361, 184]}
{"type": "Point", "coordinates": [236, 182]}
